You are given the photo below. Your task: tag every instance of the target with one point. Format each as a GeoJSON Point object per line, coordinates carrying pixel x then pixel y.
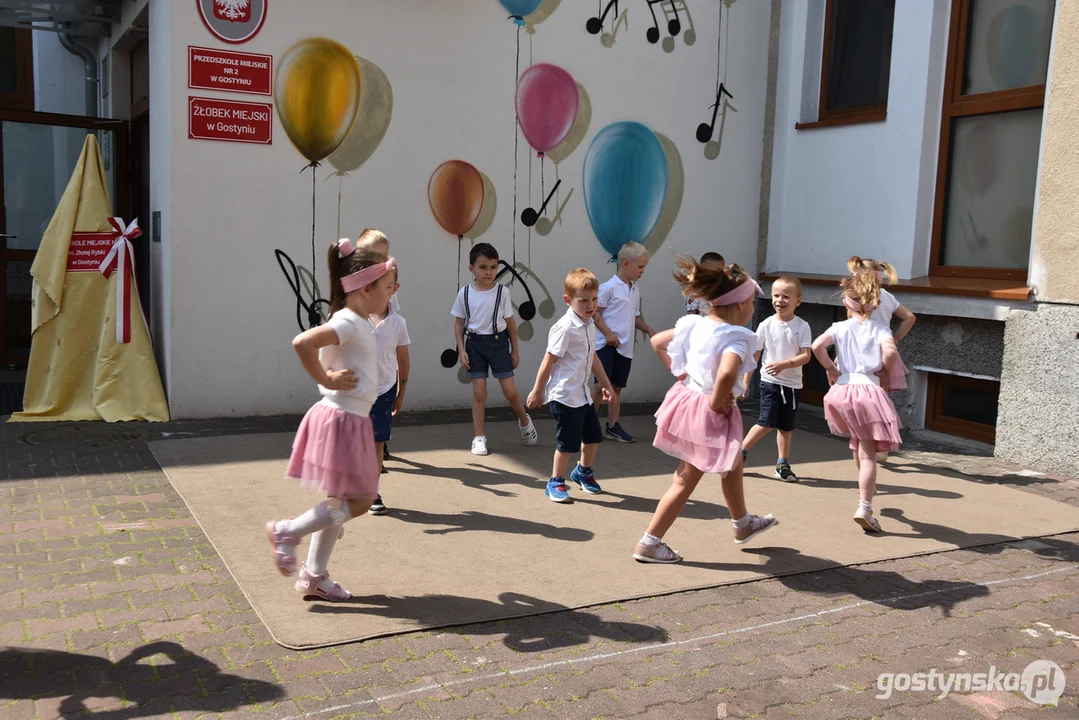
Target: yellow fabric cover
{"type": "Point", "coordinates": [77, 370]}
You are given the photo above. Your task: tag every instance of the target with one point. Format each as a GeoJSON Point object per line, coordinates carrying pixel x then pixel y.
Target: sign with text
{"type": "Point", "coordinates": [229, 70]}
{"type": "Point", "coordinates": [230, 120]}
{"type": "Point", "coordinates": [88, 249]}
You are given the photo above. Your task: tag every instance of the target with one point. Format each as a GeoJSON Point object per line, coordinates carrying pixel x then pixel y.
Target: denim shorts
{"type": "Point", "coordinates": [777, 407]}
{"type": "Point", "coordinates": [615, 364]}
{"type": "Point", "coordinates": [382, 415]}
{"type": "Point", "coordinates": [575, 425]}
{"type": "Point", "coordinates": [489, 352]}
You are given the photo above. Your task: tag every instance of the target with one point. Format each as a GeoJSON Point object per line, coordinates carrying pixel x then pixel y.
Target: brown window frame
{"type": "Point", "coordinates": [956, 105]}
{"type": "Point", "coordinates": [937, 385]}
{"type": "Point", "coordinates": [846, 116]}
{"type": "Point", "coordinates": [23, 97]}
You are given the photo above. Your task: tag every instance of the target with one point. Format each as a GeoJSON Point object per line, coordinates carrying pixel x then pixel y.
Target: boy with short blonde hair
{"type": "Point", "coordinates": [784, 345]}
{"type": "Point", "coordinates": [617, 318]}
{"type": "Point", "coordinates": [562, 382]}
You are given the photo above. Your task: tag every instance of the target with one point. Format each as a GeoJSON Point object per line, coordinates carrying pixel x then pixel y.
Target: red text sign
{"type": "Point", "coordinates": [209, 69]}
{"type": "Point", "coordinates": [231, 120]}
{"type": "Point", "coordinates": [87, 250]}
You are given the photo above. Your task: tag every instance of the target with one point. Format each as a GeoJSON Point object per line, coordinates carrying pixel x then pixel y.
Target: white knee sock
{"type": "Point", "coordinates": [324, 515]}
{"type": "Point", "coordinates": [318, 557]}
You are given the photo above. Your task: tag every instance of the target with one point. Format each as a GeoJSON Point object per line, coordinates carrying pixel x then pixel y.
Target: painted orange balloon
{"type": "Point", "coordinates": [455, 193]}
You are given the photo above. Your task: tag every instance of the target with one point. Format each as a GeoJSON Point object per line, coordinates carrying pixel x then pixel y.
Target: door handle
{"type": "Point", "coordinates": [5, 235]}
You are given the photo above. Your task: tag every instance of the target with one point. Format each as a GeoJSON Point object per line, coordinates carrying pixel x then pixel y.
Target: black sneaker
{"type": "Point", "coordinates": [385, 451]}
{"type": "Point", "coordinates": [377, 507]}
{"type": "Point", "coordinates": [784, 473]}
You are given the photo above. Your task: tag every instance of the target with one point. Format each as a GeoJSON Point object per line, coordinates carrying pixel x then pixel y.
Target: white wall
{"type": "Point", "coordinates": [451, 68]}
{"type": "Point", "coordinates": [857, 189]}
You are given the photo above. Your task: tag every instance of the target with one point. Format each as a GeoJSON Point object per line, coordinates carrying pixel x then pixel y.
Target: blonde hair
{"type": "Point", "coordinates": [794, 283]}
{"type": "Point", "coordinates": [707, 281]}
{"type": "Point", "coordinates": [632, 251]}
{"type": "Point", "coordinates": [855, 263]}
{"type": "Point", "coordinates": [580, 280]}
{"type": "Point", "coordinates": [371, 237]}
{"type": "Point", "coordinates": [862, 287]}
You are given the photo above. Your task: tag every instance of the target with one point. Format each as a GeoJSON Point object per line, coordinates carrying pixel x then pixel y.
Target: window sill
{"type": "Point", "coordinates": [839, 121]}
{"type": "Point", "coordinates": [968, 287]}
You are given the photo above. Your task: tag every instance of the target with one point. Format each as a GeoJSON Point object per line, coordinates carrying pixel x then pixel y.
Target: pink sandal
{"type": "Point", "coordinates": [756, 526]}
{"type": "Point", "coordinates": [285, 561]}
{"type": "Point", "coordinates": [310, 584]}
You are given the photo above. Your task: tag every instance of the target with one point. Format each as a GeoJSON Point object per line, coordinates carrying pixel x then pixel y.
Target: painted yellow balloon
{"type": "Point", "coordinates": [317, 93]}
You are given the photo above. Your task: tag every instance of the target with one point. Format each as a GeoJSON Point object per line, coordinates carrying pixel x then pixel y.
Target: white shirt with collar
{"type": "Point", "coordinates": [390, 333]}
{"type": "Point", "coordinates": [573, 341]}
{"type": "Point", "coordinates": [619, 306]}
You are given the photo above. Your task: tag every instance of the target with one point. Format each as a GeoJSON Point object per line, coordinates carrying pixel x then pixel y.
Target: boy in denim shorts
{"type": "Point", "coordinates": [487, 342]}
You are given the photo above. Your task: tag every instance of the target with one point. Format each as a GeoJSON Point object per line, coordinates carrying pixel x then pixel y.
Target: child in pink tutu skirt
{"type": "Point", "coordinates": [699, 422]}
{"type": "Point", "coordinates": [334, 449]}
{"type": "Point", "coordinates": [889, 306]}
{"type": "Point", "coordinates": [857, 405]}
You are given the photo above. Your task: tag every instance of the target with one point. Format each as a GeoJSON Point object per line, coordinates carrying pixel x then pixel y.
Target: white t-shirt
{"type": "Point", "coordinates": [778, 341]}
{"type": "Point", "coordinates": [390, 333]}
{"type": "Point", "coordinates": [888, 305]}
{"type": "Point", "coordinates": [573, 341]}
{"type": "Point", "coordinates": [356, 351]}
{"type": "Point", "coordinates": [481, 309]}
{"type": "Point", "coordinates": [858, 346]}
{"type": "Point", "coordinates": [619, 305]}
{"type": "Point", "coordinates": [698, 347]}
{"type": "Point", "coordinates": [395, 303]}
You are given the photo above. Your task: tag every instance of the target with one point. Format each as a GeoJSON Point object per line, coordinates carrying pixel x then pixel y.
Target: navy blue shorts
{"type": "Point", "coordinates": [576, 425]}
{"type": "Point", "coordinates": [382, 415]}
{"type": "Point", "coordinates": [615, 365]}
{"type": "Point", "coordinates": [778, 405]}
{"type": "Point", "coordinates": [489, 352]}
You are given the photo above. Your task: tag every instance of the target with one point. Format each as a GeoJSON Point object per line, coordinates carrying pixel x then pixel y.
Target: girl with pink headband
{"type": "Point", "coordinates": [699, 422]}
{"type": "Point", "coordinates": [334, 449]}
{"type": "Point", "coordinates": [857, 406]}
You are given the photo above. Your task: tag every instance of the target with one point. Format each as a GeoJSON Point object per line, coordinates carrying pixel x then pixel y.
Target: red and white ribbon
{"type": "Point", "coordinates": [122, 257]}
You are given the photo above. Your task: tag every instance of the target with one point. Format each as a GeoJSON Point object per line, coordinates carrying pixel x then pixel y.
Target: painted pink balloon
{"type": "Point", "coordinates": [983, 156]}
{"type": "Point", "coordinates": [546, 105]}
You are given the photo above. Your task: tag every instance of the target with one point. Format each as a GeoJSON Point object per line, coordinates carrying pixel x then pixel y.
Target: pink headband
{"type": "Point", "coordinates": [345, 248]}
{"type": "Point", "coordinates": [857, 307]}
{"type": "Point", "coordinates": [741, 293]}
{"type": "Point", "coordinates": [363, 278]}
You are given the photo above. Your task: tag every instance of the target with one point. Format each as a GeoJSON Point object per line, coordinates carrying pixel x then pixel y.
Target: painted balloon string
{"type": "Point", "coordinates": [313, 165]}
{"type": "Point", "coordinates": [516, 140]}
{"type": "Point", "coordinates": [292, 275]}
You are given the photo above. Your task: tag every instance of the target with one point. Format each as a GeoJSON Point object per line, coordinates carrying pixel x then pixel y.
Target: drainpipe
{"type": "Point", "coordinates": [89, 61]}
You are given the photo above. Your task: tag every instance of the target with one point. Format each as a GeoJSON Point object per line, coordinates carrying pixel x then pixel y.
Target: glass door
{"type": "Point", "coordinates": [38, 152]}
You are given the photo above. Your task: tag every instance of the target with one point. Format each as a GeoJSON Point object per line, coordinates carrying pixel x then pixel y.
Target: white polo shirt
{"type": "Point", "coordinates": [619, 305]}
{"type": "Point", "coordinates": [390, 333]}
{"type": "Point", "coordinates": [573, 341]}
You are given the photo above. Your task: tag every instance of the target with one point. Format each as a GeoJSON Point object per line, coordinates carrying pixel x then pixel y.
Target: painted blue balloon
{"type": "Point", "coordinates": [625, 183]}
{"type": "Point", "coordinates": [1016, 45]}
{"type": "Point", "coordinates": [520, 8]}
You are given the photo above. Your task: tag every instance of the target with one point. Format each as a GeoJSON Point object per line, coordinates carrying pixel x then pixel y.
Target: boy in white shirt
{"type": "Point", "coordinates": [562, 382]}
{"type": "Point", "coordinates": [391, 341]}
{"type": "Point", "coordinates": [487, 341]}
{"type": "Point", "coordinates": [619, 315]}
{"type": "Point", "coordinates": [784, 345]}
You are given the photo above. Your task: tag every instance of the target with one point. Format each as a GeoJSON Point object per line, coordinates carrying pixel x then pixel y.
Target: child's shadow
{"type": "Point", "coordinates": [473, 475]}
{"type": "Point", "coordinates": [473, 520]}
{"type": "Point", "coordinates": [980, 542]}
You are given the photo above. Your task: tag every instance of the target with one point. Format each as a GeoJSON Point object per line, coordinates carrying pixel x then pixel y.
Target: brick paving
{"type": "Point", "coordinates": [115, 605]}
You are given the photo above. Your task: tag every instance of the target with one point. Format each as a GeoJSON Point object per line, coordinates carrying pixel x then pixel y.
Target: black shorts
{"type": "Point", "coordinates": [778, 405]}
{"type": "Point", "coordinates": [489, 352]}
{"type": "Point", "coordinates": [576, 425]}
{"type": "Point", "coordinates": [382, 414]}
{"type": "Point", "coordinates": [615, 365]}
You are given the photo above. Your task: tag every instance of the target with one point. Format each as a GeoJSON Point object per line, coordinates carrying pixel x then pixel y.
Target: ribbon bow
{"type": "Point", "coordinates": [121, 257]}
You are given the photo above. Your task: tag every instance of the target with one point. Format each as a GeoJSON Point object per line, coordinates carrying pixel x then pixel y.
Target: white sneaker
{"type": "Point", "coordinates": [529, 436]}
{"type": "Point", "coordinates": [479, 445]}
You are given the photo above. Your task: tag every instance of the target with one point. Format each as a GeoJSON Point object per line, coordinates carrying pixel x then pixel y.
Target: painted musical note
{"type": "Point", "coordinates": [705, 130]}
{"type": "Point", "coordinates": [672, 11]}
{"type": "Point", "coordinates": [595, 24]}
{"type": "Point", "coordinates": [674, 25]}
{"type": "Point", "coordinates": [545, 225]}
{"type": "Point", "coordinates": [530, 216]}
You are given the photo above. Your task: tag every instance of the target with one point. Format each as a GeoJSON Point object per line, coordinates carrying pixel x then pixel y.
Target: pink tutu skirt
{"type": "Point", "coordinates": [897, 379]}
{"type": "Point", "coordinates": [334, 451]}
{"type": "Point", "coordinates": [688, 429]}
{"type": "Point", "coordinates": [862, 412]}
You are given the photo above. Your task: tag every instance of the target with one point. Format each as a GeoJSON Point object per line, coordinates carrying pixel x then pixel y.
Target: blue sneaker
{"type": "Point", "coordinates": [615, 432]}
{"type": "Point", "coordinates": [557, 491]}
{"type": "Point", "coordinates": [586, 480]}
